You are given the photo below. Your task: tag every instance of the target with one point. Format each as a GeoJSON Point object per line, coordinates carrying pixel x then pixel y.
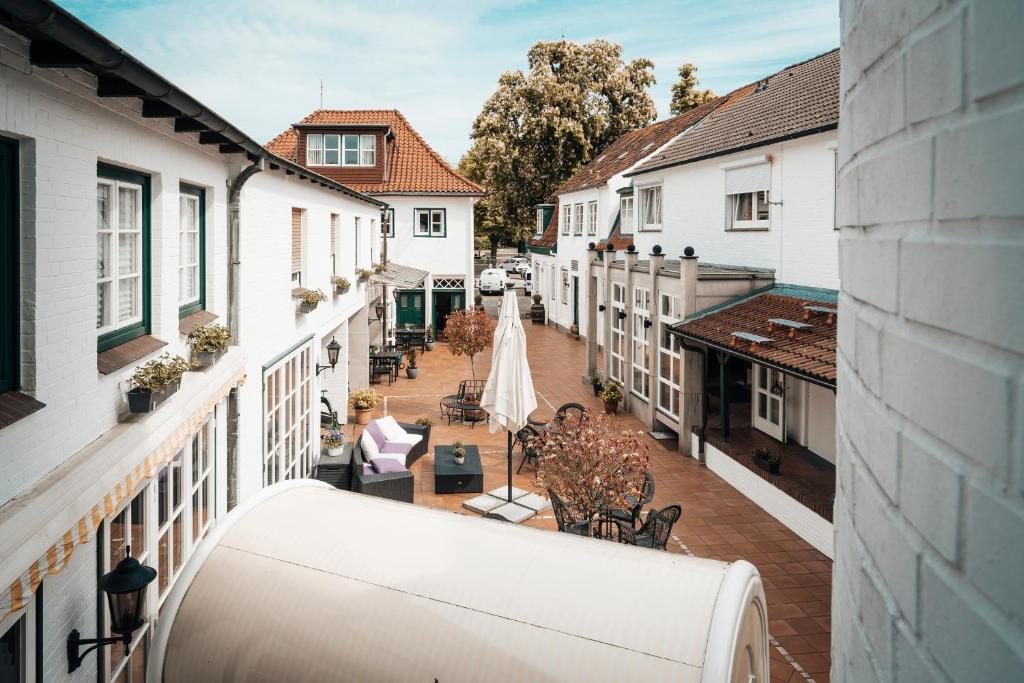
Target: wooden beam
{"type": "Point", "coordinates": [274, 167]}
{"type": "Point", "coordinates": [289, 171]}
{"type": "Point", "coordinates": [49, 55]}
{"type": "Point", "coordinates": [111, 86]}
{"type": "Point", "coordinates": [186, 125]}
{"type": "Point", "coordinates": [156, 109]}
{"type": "Point", "coordinates": [231, 149]}
{"type": "Point", "coordinates": [208, 137]}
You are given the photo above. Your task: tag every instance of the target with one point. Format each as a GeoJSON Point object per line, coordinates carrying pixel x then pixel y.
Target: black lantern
{"type": "Point", "coordinates": [332, 356]}
{"type": "Point", "coordinates": [125, 587]}
{"type": "Point", "coordinates": [379, 310]}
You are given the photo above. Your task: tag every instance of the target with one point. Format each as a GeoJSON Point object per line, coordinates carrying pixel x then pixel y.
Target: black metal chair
{"type": "Point", "coordinates": [631, 515]}
{"type": "Point", "coordinates": [378, 370]}
{"type": "Point", "coordinates": [656, 530]}
{"type": "Point", "coordinates": [567, 411]}
{"type": "Point", "coordinates": [523, 438]}
{"type": "Point", "coordinates": [564, 518]}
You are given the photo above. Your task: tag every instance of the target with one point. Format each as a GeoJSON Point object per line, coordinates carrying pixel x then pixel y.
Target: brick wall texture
{"type": "Point", "coordinates": [929, 517]}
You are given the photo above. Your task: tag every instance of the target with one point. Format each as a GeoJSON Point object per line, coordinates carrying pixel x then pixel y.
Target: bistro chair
{"type": "Point", "coordinates": [569, 410]}
{"type": "Point", "coordinates": [564, 518]}
{"type": "Point", "coordinates": [656, 530]}
{"type": "Point", "coordinates": [631, 515]}
{"type": "Point", "coordinates": [523, 438]}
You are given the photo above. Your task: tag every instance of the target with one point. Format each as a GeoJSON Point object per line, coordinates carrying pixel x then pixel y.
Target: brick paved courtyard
{"type": "Point", "coordinates": [718, 521]}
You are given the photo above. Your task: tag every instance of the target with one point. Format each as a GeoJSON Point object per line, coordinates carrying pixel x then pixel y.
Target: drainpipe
{"type": "Point", "coordinates": [234, 267]}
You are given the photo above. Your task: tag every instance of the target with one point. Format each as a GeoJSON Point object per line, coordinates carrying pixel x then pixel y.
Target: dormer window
{"type": "Point", "coordinates": [332, 149]}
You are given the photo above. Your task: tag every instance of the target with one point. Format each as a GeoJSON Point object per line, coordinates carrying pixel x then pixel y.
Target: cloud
{"type": "Point", "coordinates": [259, 63]}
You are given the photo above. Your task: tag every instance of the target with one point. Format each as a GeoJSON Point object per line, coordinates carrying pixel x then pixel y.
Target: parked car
{"type": "Point", "coordinates": [516, 264]}
{"type": "Point", "coordinates": [492, 281]}
{"type": "Point", "coordinates": [529, 283]}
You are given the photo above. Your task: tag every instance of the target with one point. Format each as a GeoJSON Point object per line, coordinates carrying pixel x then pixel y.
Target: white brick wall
{"type": "Point", "coordinates": [929, 548]}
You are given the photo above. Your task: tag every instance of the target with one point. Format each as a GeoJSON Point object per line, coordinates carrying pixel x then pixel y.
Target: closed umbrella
{"type": "Point", "coordinates": [508, 397]}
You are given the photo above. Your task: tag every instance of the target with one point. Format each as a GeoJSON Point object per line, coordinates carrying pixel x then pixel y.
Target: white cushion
{"type": "Point", "coordinates": [369, 446]}
{"type": "Point", "coordinates": [411, 439]}
{"type": "Point", "coordinates": [390, 428]}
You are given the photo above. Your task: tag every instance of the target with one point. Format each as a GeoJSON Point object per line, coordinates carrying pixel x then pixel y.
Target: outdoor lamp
{"type": "Point", "coordinates": [379, 310]}
{"type": "Point", "coordinates": [332, 356]}
{"type": "Point", "coordinates": [125, 587]}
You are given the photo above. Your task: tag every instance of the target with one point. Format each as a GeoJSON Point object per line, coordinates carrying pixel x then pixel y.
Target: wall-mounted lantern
{"type": "Point", "coordinates": [332, 356]}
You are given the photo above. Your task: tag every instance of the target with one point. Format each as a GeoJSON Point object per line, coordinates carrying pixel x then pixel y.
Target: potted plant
{"type": "Point", "coordinates": [459, 451]}
{"type": "Point", "coordinates": [207, 343]}
{"type": "Point", "coordinates": [469, 333]}
{"type": "Point", "coordinates": [537, 311]}
{"type": "Point", "coordinates": [363, 402]}
{"type": "Point", "coordinates": [429, 338]}
{"type": "Point", "coordinates": [412, 370]}
{"type": "Point", "coordinates": [478, 300]}
{"type": "Point", "coordinates": [767, 459]}
{"type": "Point", "coordinates": [333, 442]}
{"type": "Point", "coordinates": [574, 331]}
{"type": "Point", "coordinates": [427, 423]}
{"type": "Point", "coordinates": [154, 381]}
{"type": "Point", "coordinates": [364, 274]}
{"type": "Point", "coordinates": [309, 299]}
{"type": "Point", "coordinates": [611, 395]}
{"type": "Point", "coordinates": [595, 381]}
{"type": "Point", "coordinates": [341, 284]}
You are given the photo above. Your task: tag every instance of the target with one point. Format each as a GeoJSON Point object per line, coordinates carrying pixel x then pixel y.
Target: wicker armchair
{"type": "Point", "coordinates": [656, 530]}
{"type": "Point", "coordinates": [564, 518]}
{"type": "Point", "coordinates": [631, 515]}
{"type": "Point", "coordinates": [393, 485]}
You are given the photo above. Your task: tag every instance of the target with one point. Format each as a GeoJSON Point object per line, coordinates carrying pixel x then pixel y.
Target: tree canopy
{"type": "Point", "coordinates": [685, 95]}
{"type": "Point", "coordinates": [540, 127]}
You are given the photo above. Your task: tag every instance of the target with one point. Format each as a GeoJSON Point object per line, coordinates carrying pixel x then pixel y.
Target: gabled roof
{"type": "Point", "coordinates": [745, 328]}
{"type": "Point", "coordinates": [633, 146]}
{"type": "Point", "coordinates": [802, 99]}
{"type": "Point", "coordinates": [412, 165]}
{"type": "Point", "coordinates": [549, 237]}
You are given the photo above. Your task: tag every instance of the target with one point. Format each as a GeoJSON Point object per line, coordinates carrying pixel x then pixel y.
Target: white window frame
{"type": "Point", "coordinates": [616, 347]}
{"type": "Point", "coordinates": [437, 223]}
{"type": "Point", "coordinates": [362, 145]}
{"type": "Point", "coordinates": [185, 267]}
{"type": "Point", "coordinates": [577, 223]}
{"type": "Point", "coordinates": [669, 357]}
{"type": "Point", "coordinates": [113, 277]}
{"type": "Point", "coordinates": [566, 218]}
{"type": "Point", "coordinates": [565, 285]}
{"type": "Point", "coordinates": [762, 388]}
{"type": "Point", "coordinates": [298, 275]}
{"type": "Point", "coordinates": [288, 444]}
{"type": "Point", "coordinates": [626, 217]}
{"type": "Point", "coordinates": [335, 222]}
{"type": "Point", "coordinates": [314, 149]}
{"type": "Point", "coordinates": [640, 337]}
{"type": "Point", "coordinates": [650, 194]}
{"type": "Point", "coordinates": [732, 202]}
{"type": "Point", "coordinates": [592, 218]}
{"type": "Point", "coordinates": [540, 222]}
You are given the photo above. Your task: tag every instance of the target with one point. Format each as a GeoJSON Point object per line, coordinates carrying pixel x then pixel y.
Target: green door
{"type": "Point", "coordinates": [575, 301]}
{"type": "Point", "coordinates": [410, 307]}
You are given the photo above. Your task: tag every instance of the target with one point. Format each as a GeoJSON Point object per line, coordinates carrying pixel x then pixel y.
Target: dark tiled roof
{"type": "Point", "coordinates": [810, 352]}
{"type": "Point", "coordinates": [617, 239]}
{"type": "Point", "coordinates": [413, 166]}
{"type": "Point", "coordinates": [633, 146]}
{"type": "Point", "coordinates": [799, 100]}
{"type": "Point", "coordinates": [550, 236]}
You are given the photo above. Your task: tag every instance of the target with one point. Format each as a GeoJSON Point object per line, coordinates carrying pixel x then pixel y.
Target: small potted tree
{"type": "Point", "coordinates": [412, 370]}
{"type": "Point", "coordinates": [611, 395]}
{"type": "Point", "coordinates": [767, 459]}
{"type": "Point", "coordinates": [309, 299]}
{"type": "Point", "coordinates": [154, 381]}
{"type": "Point", "coordinates": [459, 451]}
{"type": "Point", "coordinates": [341, 284]}
{"type": "Point", "coordinates": [537, 310]}
{"type": "Point", "coordinates": [429, 338]}
{"type": "Point", "coordinates": [363, 402]}
{"type": "Point", "coordinates": [333, 442]}
{"type": "Point", "coordinates": [478, 300]}
{"type": "Point", "coordinates": [469, 333]}
{"type": "Point", "coordinates": [206, 344]}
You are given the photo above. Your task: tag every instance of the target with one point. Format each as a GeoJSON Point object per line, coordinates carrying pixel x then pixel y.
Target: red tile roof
{"type": "Point", "coordinates": [617, 239]}
{"type": "Point", "coordinates": [413, 166]}
{"type": "Point", "coordinates": [550, 235]}
{"type": "Point", "coordinates": [633, 146]}
{"type": "Point", "coordinates": [799, 100]}
{"type": "Point", "coordinates": [810, 352]}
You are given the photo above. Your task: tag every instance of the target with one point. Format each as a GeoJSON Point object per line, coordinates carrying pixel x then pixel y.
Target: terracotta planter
{"type": "Point", "coordinates": [363, 415]}
{"type": "Point", "coordinates": [611, 407]}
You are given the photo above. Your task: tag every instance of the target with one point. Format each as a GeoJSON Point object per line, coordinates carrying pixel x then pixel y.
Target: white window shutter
{"type": "Point", "coordinates": [296, 240]}
{"type": "Point", "coordinates": [748, 179]}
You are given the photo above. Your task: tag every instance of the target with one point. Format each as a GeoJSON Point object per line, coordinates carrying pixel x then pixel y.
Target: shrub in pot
{"type": "Point", "coordinates": [429, 338]}
{"type": "Point", "coordinates": [537, 316]}
{"type": "Point", "coordinates": [207, 343]}
{"type": "Point", "coordinates": [459, 451]}
{"type": "Point", "coordinates": [154, 381]}
{"type": "Point", "coordinates": [767, 459]}
{"type": "Point", "coordinates": [595, 381]}
{"type": "Point", "coordinates": [333, 442]}
{"type": "Point", "coordinates": [611, 395]}
{"type": "Point", "coordinates": [341, 284]}
{"type": "Point", "coordinates": [309, 299]}
{"type": "Point", "coordinates": [412, 370]}
{"type": "Point", "coordinates": [574, 331]}
{"type": "Point", "coordinates": [478, 299]}
{"type": "Point", "coordinates": [364, 274]}
{"type": "Point", "coordinates": [363, 402]}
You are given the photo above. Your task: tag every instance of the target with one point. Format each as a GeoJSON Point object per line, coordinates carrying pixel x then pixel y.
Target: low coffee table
{"type": "Point", "coordinates": [451, 478]}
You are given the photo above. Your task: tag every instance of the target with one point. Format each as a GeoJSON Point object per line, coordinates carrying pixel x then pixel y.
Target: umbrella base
{"type": "Point", "coordinates": [513, 512]}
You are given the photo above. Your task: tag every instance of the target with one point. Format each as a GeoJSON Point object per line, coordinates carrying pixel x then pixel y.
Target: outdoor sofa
{"type": "Point", "coordinates": [383, 455]}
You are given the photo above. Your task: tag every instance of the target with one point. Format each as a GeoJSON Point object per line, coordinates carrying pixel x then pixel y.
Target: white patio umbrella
{"type": "Point", "coordinates": [508, 397]}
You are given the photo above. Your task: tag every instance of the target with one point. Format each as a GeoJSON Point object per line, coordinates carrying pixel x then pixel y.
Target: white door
{"type": "Point", "coordinates": [769, 401]}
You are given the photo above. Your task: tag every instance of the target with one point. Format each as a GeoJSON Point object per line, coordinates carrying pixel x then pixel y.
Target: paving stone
{"type": "Point", "coordinates": [514, 512]}
{"type": "Point", "coordinates": [482, 504]}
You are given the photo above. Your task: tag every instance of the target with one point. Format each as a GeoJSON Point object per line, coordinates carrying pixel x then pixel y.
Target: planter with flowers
{"type": "Point", "coordinates": [574, 331]}
{"type": "Point", "coordinates": [459, 451]}
{"type": "Point", "coordinates": [309, 299]}
{"type": "Point", "coordinates": [207, 344]}
{"type": "Point", "coordinates": [333, 442]}
{"type": "Point", "coordinates": [612, 396]}
{"type": "Point", "coordinates": [341, 284]}
{"type": "Point", "coordinates": [155, 381]}
{"type": "Point", "coordinates": [379, 268]}
{"type": "Point", "coordinates": [363, 402]}
{"type": "Point", "coordinates": [364, 274]}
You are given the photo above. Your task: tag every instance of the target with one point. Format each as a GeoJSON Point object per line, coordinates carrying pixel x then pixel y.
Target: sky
{"type": "Point", "coordinates": [260, 63]}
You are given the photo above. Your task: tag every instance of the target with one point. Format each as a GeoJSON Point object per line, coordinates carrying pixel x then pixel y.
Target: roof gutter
{"type": "Point", "coordinates": [733, 150]}
{"type": "Point", "coordinates": [42, 20]}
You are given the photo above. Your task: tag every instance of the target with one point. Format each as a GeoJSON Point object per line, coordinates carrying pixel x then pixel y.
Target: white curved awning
{"type": "Point", "coordinates": [307, 583]}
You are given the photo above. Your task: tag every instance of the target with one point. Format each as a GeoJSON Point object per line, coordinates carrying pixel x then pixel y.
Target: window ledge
{"type": "Point", "coordinates": [197, 319]}
{"type": "Point", "coordinates": [752, 228]}
{"type": "Point", "coordinates": [15, 405]}
{"type": "Point", "coordinates": [121, 355]}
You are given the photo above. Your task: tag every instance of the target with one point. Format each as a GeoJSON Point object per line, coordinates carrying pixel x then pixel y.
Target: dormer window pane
{"type": "Point", "coordinates": [368, 150]}
{"type": "Point", "coordinates": [351, 150]}
{"type": "Point", "coordinates": [314, 150]}
{"type": "Point", "coordinates": [332, 151]}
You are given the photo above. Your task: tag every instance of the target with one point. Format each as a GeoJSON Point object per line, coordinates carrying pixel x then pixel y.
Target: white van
{"type": "Point", "coordinates": [492, 281]}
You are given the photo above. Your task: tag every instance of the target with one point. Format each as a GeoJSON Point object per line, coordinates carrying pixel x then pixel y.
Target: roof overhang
{"type": "Point", "coordinates": [348, 126]}
{"type": "Point", "coordinates": [402, 277]}
{"type": "Point", "coordinates": [399, 193]}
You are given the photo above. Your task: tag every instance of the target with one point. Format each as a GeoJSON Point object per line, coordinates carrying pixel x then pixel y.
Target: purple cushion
{"type": "Point", "coordinates": [367, 469]}
{"type": "Point", "coordinates": [374, 431]}
{"type": "Point", "coordinates": [396, 447]}
{"type": "Point", "coordinates": [386, 465]}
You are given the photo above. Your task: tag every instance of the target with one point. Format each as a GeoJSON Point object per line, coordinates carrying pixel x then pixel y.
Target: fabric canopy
{"type": "Point", "coordinates": [509, 397]}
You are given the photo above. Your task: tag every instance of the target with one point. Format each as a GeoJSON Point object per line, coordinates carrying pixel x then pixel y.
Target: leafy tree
{"type": "Point", "coordinates": [469, 332]}
{"type": "Point", "coordinates": [540, 127]}
{"type": "Point", "coordinates": [685, 95]}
